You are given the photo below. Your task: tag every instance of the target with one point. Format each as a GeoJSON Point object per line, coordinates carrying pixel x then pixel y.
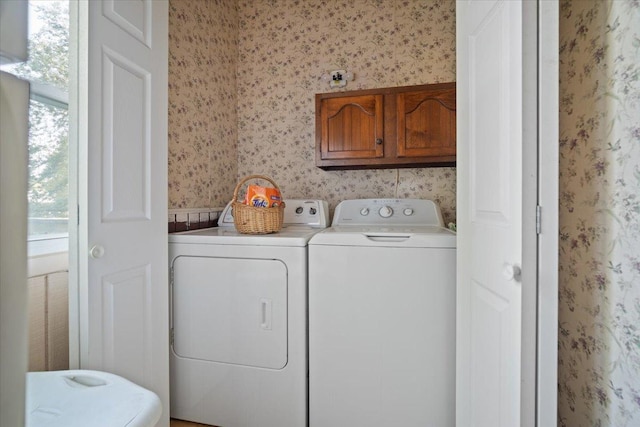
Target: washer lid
{"type": "Point", "coordinates": [380, 236]}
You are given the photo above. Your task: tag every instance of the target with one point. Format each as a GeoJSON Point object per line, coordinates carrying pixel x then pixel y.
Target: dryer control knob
{"type": "Point", "coordinates": [385, 211]}
{"type": "Point", "coordinates": [364, 211]}
{"type": "Point", "coordinates": [299, 210]}
{"type": "Point", "coordinates": [408, 211]}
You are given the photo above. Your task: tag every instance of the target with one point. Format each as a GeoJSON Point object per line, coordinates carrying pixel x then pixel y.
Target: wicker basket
{"type": "Point", "coordinates": [254, 220]}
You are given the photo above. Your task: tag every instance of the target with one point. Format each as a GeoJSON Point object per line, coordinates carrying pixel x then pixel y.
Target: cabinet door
{"type": "Point", "coordinates": [352, 127]}
{"type": "Point", "coordinates": [427, 123]}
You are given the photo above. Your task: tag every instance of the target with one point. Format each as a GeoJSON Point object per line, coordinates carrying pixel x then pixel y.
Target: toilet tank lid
{"type": "Point", "coordinates": [82, 398]}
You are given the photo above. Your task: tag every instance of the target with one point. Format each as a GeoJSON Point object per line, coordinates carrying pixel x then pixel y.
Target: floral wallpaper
{"type": "Point", "coordinates": [599, 344]}
{"type": "Point", "coordinates": [203, 52]}
{"type": "Point", "coordinates": [242, 80]}
{"type": "Point", "coordinates": [284, 48]}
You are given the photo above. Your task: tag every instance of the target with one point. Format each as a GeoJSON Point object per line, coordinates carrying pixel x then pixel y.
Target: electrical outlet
{"type": "Point", "coordinates": [338, 78]}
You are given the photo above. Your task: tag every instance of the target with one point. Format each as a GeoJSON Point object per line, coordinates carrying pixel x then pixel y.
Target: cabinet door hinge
{"type": "Point", "coordinates": [538, 219]}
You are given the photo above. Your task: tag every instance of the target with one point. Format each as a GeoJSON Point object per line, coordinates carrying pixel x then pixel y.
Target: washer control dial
{"type": "Point", "coordinates": [408, 211]}
{"type": "Point", "coordinates": [299, 210]}
{"type": "Point", "coordinates": [364, 211]}
{"type": "Point", "coordinates": [385, 211]}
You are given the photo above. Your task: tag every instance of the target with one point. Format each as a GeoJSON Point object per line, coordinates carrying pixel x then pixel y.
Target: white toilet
{"type": "Point", "coordinates": [81, 398]}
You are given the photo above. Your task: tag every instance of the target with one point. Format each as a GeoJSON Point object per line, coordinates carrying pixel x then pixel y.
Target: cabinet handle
{"type": "Point", "coordinates": [379, 141]}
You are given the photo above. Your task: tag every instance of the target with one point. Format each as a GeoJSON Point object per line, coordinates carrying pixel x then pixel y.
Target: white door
{"type": "Point", "coordinates": [123, 192]}
{"type": "Point", "coordinates": [496, 164]}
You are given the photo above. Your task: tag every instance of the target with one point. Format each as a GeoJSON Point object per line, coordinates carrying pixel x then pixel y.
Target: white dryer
{"type": "Point", "coordinates": [382, 310]}
{"type": "Point", "coordinates": [239, 321]}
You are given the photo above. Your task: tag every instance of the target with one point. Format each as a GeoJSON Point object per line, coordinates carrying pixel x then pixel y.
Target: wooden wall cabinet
{"type": "Point", "coordinates": [410, 126]}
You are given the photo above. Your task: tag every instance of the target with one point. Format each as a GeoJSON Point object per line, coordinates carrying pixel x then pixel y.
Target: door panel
{"type": "Point", "coordinates": [490, 309]}
{"type": "Point", "coordinates": [351, 126]}
{"type": "Point", "coordinates": [127, 324]}
{"type": "Point", "coordinates": [123, 271]}
{"type": "Point", "coordinates": [134, 17]}
{"type": "Point", "coordinates": [427, 123]}
{"type": "Point", "coordinates": [230, 310]}
{"type": "Point", "coordinates": [126, 186]}
{"type": "Point", "coordinates": [489, 93]}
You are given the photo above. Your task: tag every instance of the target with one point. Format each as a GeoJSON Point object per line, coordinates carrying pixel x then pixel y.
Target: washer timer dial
{"type": "Point", "coordinates": [385, 211]}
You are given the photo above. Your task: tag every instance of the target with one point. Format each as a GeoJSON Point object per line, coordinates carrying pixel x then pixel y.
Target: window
{"type": "Point", "coordinates": [48, 72]}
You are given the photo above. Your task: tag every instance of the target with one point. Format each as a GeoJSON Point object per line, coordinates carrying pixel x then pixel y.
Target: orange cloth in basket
{"type": "Point", "coordinates": [262, 197]}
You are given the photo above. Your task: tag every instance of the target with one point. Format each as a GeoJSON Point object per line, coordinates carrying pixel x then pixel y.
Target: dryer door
{"type": "Point", "coordinates": [230, 310]}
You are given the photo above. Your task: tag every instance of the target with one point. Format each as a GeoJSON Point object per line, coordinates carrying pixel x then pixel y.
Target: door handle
{"type": "Point", "coordinates": [96, 251]}
{"type": "Point", "coordinates": [511, 272]}
{"type": "Point", "coordinates": [387, 238]}
{"type": "Point", "coordinates": [265, 314]}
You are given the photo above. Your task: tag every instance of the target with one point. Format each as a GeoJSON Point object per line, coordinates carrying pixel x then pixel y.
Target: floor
{"type": "Point", "coordinates": [180, 423]}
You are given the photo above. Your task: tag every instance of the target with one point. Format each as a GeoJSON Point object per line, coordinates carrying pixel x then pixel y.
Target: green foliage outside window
{"type": "Point", "coordinates": [48, 66]}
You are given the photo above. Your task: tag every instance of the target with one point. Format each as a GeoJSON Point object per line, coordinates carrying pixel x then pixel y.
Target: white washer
{"type": "Point", "coordinates": [239, 321]}
{"type": "Point", "coordinates": [382, 309]}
